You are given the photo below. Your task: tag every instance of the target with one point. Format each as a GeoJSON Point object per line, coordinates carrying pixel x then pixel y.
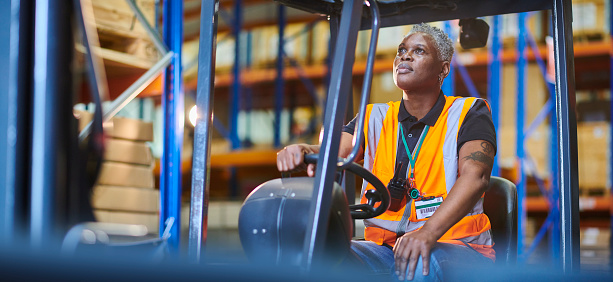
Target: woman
{"type": "Point", "coordinates": [444, 148]}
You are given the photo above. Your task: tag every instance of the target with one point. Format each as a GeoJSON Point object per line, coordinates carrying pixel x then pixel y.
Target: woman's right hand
{"type": "Point", "coordinates": [291, 159]}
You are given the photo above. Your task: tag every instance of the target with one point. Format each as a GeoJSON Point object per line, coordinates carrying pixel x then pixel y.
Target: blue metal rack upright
{"type": "Point", "coordinates": [495, 68]}
{"type": "Point", "coordinates": [236, 82]}
{"type": "Point", "coordinates": [279, 81]}
{"type": "Point", "coordinates": [551, 224]}
{"type": "Point", "coordinates": [16, 25]}
{"type": "Point", "coordinates": [449, 82]}
{"type": "Point", "coordinates": [611, 128]}
{"type": "Point", "coordinates": [173, 110]}
{"type": "Point", "coordinates": [520, 121]}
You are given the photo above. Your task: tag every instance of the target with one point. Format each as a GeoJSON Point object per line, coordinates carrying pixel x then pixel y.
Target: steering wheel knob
{"type": "Point", "coordinates": [379, 194]}
{"type": "Point", "coordinates": [372, 197]}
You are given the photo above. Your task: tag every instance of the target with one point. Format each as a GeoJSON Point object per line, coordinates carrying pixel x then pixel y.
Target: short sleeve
{"type": "Point", "coordinates": [350, 127]}
{"type": "Point", "coordinates": [478, 125]}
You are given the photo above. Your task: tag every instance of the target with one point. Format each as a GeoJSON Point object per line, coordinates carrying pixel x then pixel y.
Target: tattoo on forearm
{"type": "Point", "coordinates": [487, 147]}
{"type": "Point", "coordinates": [480, 157]}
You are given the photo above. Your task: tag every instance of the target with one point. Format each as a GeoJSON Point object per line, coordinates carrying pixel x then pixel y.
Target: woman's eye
{"type": "Point", "coordinates": [401, 51]}
{"type": "Point", "coordinates": [419, 51]}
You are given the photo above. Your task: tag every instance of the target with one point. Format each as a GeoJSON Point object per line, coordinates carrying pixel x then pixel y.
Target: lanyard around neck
{"type": "Point", "coordinates": [413, 157]}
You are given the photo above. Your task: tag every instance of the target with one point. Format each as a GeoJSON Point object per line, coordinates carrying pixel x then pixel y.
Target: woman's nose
{"type": "Point", "coordinates": [406, 57]}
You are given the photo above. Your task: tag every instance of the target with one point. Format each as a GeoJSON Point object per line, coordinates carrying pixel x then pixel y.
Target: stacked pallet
{"type": "Point", "coordinates": [121, 33]}
{"type": "Point", "coordinates": [125, 191]}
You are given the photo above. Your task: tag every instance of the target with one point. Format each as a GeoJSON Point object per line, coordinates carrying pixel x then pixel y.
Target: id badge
{"type": "Point", "coordinates": [426, 208]}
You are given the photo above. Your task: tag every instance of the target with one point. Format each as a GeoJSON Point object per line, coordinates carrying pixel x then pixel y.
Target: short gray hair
{"type": "Point", "coordinates": [443, 43]}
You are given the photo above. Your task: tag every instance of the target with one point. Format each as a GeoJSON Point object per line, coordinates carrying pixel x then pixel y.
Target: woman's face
{"type": "Point", "coordinates": [417, 65]}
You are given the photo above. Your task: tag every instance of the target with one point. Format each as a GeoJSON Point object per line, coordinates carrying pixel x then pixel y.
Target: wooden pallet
{"type": "Point", "coordinates": [594, 191]}
{"type": "Point", "coordinates": [116, 17]}
{"type": "Point", "coordinates": [590, 36]}
{"type": "Point", "coordinates": [123, 38]}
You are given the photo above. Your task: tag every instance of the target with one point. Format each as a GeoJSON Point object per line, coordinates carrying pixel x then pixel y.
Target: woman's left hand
{"type": "Point", "coordinates": [407, 251]}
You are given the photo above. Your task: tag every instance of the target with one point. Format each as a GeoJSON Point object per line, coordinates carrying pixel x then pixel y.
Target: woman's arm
{"type": "Point", "coordinates": [291, 158]}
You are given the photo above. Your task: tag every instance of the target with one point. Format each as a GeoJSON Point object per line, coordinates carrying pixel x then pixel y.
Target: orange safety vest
{"type": "Point", "coordinates": [436, 171]}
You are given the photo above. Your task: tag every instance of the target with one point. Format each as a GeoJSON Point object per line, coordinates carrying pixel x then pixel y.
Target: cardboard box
{"type": "Point", "coordinates": [320, 43]}
{"type": "Point", "coordinates": [120, 127]}
{"type": "Point", "coordinates": [589, 16]}
{"type": "Point", "coordinates": [594, 237]}
{"type": "Point", "coordinates": [126, 199]}
{"type": "Point", "coordinates": [593, 155]}
{"type": "Point", "coordinates": [131, 129]}
{"type": "Point", "coordinates": [221, 214]}
{"type": "Point", "coordinates": [537, 147]}
{"type": "Point", "coordinates": [126, 151]}
{"type": "Point", "coordinates": [119, 174]}
{"type": "Point", "coordinates": [150, 220]}
{"type": "Point", "coordinates": [224, 54]}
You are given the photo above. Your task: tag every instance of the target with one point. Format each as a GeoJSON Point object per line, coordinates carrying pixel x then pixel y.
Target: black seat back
{"type": "Point", "coordinates": [500, 205]}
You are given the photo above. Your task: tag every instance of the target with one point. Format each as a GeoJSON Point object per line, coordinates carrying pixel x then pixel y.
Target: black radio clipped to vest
{"type": "Point", "coordinates": [397, 188]}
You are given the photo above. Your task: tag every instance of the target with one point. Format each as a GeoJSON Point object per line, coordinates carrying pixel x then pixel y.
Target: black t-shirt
{"type": "Point", "coordinates": [477, 125]}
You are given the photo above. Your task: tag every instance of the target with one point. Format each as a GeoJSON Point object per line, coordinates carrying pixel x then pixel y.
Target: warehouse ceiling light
{"type": "Point", "coordinates": [193, 115]}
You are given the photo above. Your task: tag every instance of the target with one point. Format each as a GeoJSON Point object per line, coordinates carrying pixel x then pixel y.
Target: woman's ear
{"type": "Point", "coordinates": [445, 69]}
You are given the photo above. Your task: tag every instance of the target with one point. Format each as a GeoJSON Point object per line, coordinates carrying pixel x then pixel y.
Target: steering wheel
{"type": "Point", "coordinates": [380, 194]}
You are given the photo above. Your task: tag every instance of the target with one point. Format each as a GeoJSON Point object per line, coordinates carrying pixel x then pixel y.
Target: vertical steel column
{"type": "Point", "coordinates": [348, 180]}
{"type": "Point", "coordinates": [554, 235]}
{"type": "Point", "coordinates": [334, 21]}
{"type": "Point", "coordinates": [52, 110]}
{"type": "Point", "coordinates": [7, 188]}
{"type": "Point", "coordinates": [16, 81]}
{"type": "Point", "coordinates": [236, 83]}
{"type": "Point", "coordinates": [567, 134]}
{"type": "Point", "coordinates": [340, 84]}
{"type": "Point", "coordinates": [449, 82]}
{"type": "Point", "coordinates": [495, 67]}
{"type": "Point", "coordinates": [199, 209]}
{"type": "Point", "coordinates": [173, 110]}
{"type": "Point", "coordinates": [279, 80]}
{"type": "Point", "coordinates": [519, 128]}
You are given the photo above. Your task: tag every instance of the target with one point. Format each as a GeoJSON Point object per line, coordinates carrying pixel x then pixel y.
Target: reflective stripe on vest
{"type": "Point", "coordinates": [437, 160]}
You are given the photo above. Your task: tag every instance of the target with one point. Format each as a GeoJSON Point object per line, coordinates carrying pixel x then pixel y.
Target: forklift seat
{"type": "Point", "coordinates": [500, 205]}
